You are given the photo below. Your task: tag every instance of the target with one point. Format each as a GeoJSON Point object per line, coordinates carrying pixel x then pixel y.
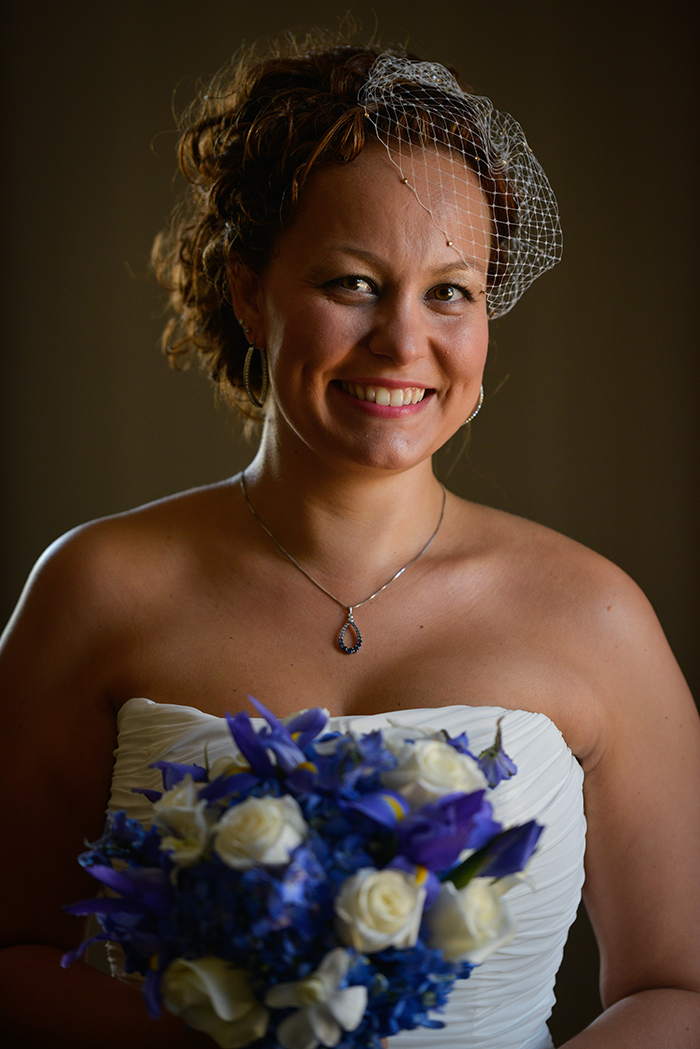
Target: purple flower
{"type": "Point", "coordinates": [278, 739]}
{"type": "Point", "coordinates": [461, 744]}
{"type": "Point", "coordinates": [173, 773]}
{"type": "Point", "coordinates": [511, 850]}
{"type": "Point", "coordinates": [305, 727]}
{"type": "Point", "coordinates": [508, 853]}
{"type": "Point", "coordinates": [385, 807]}
{"type": "Point", "coordinates": [351, 766]}
{"type": "Point", "coordinates": [246, 739]}
{"type": "Point", "coordinates": [236, 785]}
{"type": "Point", "coordinates": [275, 737]}
{"type": "Point", "coordinates": [435, 836]}
{"type": "Point", "coordinates": [141, 888]}
{"type": "Point", "coordinates": [495, 763]}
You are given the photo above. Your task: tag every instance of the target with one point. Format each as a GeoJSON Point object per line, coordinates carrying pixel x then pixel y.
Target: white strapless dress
{"type": "Point", "coordinates": [505, 1004]}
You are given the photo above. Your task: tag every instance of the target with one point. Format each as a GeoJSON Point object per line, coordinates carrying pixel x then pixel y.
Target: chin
{"type": "Point", "coordinates": [389, 455]}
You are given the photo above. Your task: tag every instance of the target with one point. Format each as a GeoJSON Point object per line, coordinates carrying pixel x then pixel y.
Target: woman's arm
{"type": "Point", "coordinates": [642, 795]}
{"type": "Point", "coordinates": [58, 660]}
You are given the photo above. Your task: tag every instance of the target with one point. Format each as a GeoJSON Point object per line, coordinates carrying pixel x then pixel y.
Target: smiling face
{"type": "Point", "coordinates": [375, 327]}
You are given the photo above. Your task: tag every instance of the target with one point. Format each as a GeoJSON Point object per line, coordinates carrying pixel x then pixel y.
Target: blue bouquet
{"type": "Point", "coordinates": [314, 888]}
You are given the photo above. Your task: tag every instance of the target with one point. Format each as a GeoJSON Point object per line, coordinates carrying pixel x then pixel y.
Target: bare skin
{"type": "Point", "coordinates": [187, 601]}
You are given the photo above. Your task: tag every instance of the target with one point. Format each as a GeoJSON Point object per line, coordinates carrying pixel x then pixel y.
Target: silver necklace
{"type": "Point", "coordinates": [350, 621]}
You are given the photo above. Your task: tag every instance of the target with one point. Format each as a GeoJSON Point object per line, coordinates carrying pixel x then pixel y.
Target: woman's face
{"type": "Point", "coordinates": [375, 327]}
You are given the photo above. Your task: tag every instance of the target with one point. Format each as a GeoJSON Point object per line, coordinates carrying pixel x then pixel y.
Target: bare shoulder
{"type": "Point", "coordinates": [556, 577]}
{"type": "Point", "coordinates": [535, 569]}
{"type": "Point", "coordinates": [95, 593]}
{"type": "Point", "coordinates": [100, 564]}
{"type": "Point", "coordinates": [587, 620]}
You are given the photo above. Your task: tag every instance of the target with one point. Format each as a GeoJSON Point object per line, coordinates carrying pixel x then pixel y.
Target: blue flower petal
{"type": "Point", "coordinates": [173, 773]}
{"type": "Point", "coordinates": [435, 835]}
{"type": "Point", "coordinates": [278, 739]}
{"type": "Point", "coordinates": [511, 850]}
{"type": "Point", "coordinates": [385, 807]}
{"type": "Point", "coordinates": [495, 763]}
{"type": "Point", "coordinates": [305, 727]}
{"type": "Point", "coordinates": [246, 739]}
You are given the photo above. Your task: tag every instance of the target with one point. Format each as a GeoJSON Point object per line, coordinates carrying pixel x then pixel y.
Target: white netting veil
{"type": "Point", "coordinates": [411, 105]}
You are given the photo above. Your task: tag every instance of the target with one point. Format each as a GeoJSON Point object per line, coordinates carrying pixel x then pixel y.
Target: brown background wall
{"type": "Point", "coordinates": [595, 431]}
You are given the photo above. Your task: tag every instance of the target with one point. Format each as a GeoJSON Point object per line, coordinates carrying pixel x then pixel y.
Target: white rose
{"type": "Point", "coordinates": [471, 923]}
{"type": "Point", "coordinates": [260, 831]}
{"type": "Point", "coordinates": [213, 997]}
{"type": "Point", "coordinates": [181, 818]}
{"type": "Point", "coordinates": [378, 909]}
{"type": "Point", "coordinates": [428, 769]}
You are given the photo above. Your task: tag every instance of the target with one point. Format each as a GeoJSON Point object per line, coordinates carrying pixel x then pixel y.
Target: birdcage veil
{"type": "Point", "coordinates": [412, 104]}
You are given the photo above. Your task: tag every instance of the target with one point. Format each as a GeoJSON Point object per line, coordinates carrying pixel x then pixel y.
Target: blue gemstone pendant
{"type": "Point", "coordinates": [350, 622]}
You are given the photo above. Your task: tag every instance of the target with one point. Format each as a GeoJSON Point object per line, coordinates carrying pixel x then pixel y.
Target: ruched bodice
{"type": "Point", "coordinates": [505, 1004]}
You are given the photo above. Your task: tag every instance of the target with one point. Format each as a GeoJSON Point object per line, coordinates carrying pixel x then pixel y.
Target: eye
{"type": "Point", "coordinates": [352, 282]}
{"type": "Point", "coordinates": [450, 293]}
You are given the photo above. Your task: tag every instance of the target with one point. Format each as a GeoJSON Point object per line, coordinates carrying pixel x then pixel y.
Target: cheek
{"type": "Point", "coordinates": [307, 342]}
{"type": "Point", "coordinates": [466, 354]}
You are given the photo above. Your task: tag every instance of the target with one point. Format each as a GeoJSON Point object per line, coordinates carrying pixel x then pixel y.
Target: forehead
{"type": "Point", "coordinates": [422, 200]}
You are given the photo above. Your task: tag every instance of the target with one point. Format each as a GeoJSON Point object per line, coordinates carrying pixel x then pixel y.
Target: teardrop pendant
{"type": "Point", "coordinates": [350, 622]}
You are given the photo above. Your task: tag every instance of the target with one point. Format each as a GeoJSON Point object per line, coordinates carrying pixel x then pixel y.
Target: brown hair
{"type": "Point", "coordinates": [249, 143]}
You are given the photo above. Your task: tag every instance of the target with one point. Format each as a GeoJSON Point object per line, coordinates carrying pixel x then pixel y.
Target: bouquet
{"type": "Point", "coordinates": [313, 888]}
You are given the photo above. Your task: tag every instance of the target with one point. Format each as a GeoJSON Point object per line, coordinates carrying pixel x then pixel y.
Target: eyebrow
{"type": "Point", "coordinates": [462, 262]}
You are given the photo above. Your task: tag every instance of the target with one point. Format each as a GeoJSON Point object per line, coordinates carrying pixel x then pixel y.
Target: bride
{"type": "Point", "coordinates": [355, 221]}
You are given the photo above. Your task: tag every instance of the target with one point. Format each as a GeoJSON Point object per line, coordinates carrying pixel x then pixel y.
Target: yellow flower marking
{"type": "Point", "coordinates": [393, 804]}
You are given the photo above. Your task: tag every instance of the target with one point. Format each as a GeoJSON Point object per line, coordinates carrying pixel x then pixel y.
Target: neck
{"type": "Point", "coordinates": [352, 527]}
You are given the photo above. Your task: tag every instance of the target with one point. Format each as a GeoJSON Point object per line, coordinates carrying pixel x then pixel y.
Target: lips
{"type": "Point", "coordinates": [394, 398]}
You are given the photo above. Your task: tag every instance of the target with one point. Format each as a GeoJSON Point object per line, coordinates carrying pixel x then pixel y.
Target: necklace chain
{"type": "Point", "coordinates": [350, 622]}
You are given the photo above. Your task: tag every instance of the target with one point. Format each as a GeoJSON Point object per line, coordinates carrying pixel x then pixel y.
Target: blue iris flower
{"type": "Point", "coordinates": [435, 835]}
{"type": "Point", "coordinates": [511, 850]}
{"type": "Point", "coordinates": [275, 737]}
{"type": "Point", "coordinates": [386, 807]}
{"type": "Point", "coordinates": [305, 727]}
{"type": "Point", "coordinates": [239, 785]}
{"type": "Point", "coordinates": [253, 750]}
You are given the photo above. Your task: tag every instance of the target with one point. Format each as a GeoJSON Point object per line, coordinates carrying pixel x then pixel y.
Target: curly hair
{"type": "Point", "coordinates": [249, 143]}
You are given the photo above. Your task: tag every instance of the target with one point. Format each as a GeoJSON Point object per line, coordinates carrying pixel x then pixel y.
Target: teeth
{"type": "Point", "coordinates": [382, 395]}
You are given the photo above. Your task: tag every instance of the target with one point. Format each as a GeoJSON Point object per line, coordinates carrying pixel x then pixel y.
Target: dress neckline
{"type": "Point", "coordinates": [405, 712]}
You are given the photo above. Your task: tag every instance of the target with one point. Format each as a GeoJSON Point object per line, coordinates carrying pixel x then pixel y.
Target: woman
{"type": "Point", "coordinates": [355, 222]}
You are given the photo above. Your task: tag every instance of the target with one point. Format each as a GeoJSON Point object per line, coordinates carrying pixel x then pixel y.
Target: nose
{"type": "Point", "coordinates": [398, 330]}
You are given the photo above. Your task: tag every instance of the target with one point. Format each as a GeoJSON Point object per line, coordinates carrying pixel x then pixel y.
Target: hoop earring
{"type": "Point", "coordinates": [478, 407]}
{"type": "Point", "coordinates": [258, 402]}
